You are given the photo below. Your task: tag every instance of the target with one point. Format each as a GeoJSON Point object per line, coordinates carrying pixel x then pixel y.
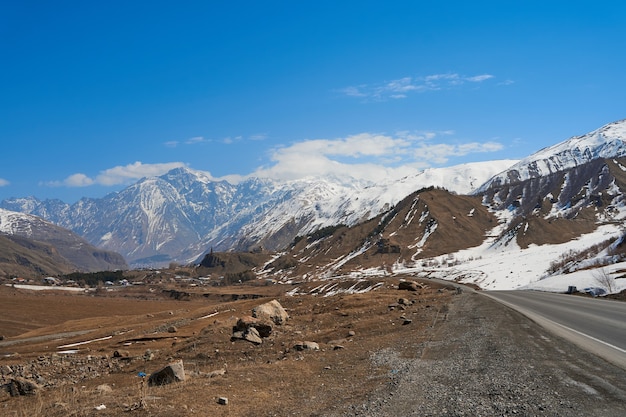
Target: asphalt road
{"type": "Point", "coordinates": [596, 324]}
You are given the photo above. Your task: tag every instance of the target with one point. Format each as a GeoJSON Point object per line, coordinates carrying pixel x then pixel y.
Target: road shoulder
{"type": "Point", "coordinates": [487, 359]}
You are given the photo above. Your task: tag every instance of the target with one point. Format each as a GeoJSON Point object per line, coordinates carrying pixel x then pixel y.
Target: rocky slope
{"type": "Point", "coordinates": [428, 223]}
{"type": "Point", "coordinates": [565, 190]}
{"type": "Point", "coordinates": [21, 257]}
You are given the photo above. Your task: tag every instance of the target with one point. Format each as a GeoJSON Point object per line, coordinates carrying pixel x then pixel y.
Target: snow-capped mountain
{"type": "Point", "coordinates": [605, 142]}
{"type": "Point", "coordinates": [582, 173]}
{"type": "Point", "coordinates": [565, 199]}
{"type": "Point", "coordinates": [557, 211]}
{"type": "Point", "coordinates": [75, 252]}
{"type": "Point", "coordinates": [184, 213]}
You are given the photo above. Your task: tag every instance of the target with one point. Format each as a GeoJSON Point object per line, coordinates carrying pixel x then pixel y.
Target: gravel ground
{"type": "Point", "coordinates": [488, 360]}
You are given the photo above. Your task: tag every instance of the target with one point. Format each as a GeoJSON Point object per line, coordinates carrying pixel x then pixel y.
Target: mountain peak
{"type": "Point", "coordinates": [605, 142]}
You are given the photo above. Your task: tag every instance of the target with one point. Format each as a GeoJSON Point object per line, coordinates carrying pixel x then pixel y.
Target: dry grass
{"type": "Point", "coordinates": [270, 379]}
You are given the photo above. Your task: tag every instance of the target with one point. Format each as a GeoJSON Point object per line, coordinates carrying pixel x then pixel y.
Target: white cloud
{"type": "Point", "coordinates": [78, 180]}
{"type": "Point", "coordinates": [3, 182]}
{"type": "Point", "coordinates": [401, 87]}
{"type": "Point", "coordinates": [479, 78]}
{"type": "Point", "coordinates": [196, 139]}
{"type": "Point", "coordinates": [117, 175]}
{"type": "Point", "coordinates": [367, 155]}
{"type": "Point", "coordinates": [352, 92]}
{"type": "Point", "coordinates": [227, 140]}
{"type": "Point", "coordinates": [135, 171]}
{"type": "Point", "coordinates": [442, 152]}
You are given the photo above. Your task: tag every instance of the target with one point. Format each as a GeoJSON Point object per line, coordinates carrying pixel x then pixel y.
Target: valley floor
{"type": "Point", "coordinates": [383, 352]}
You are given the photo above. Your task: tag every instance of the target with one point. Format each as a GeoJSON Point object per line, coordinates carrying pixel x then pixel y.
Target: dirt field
{"type": "Point", "coordinates": [87, 351]}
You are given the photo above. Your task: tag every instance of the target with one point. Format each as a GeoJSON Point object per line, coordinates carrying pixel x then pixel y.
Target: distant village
{"type": "Point", "coordinates": [113, 280]}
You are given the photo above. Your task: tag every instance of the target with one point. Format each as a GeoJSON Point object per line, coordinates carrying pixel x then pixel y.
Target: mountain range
{"type": "Point", "coordinates": [179, 216]}
{"type": "Point", "coordinates": [325, 226]}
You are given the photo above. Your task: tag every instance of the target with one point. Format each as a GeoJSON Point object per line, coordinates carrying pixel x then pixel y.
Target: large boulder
{"type": "Point", "coordinates": [250, 334]}
{"type": "Point", "coordinates": [174, 372]}
{"type": "Point", "coordinates": [271, 310]}
{"type": "Point", "coordinates": [264, 327]}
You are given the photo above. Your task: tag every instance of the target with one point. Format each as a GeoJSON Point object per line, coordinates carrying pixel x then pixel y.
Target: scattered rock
{"type": "Point", "coordinates": [121, 354]}
{"type": "Point", "coordinates": [222, 401]}
{"type": "Point", "coordinates": [264, 327]}
{"type": "Point", "coordinates": [250, 334]}
{"type": "Point", "coordinates": [337, 344]}
{"type": "Point", "coordinates": [104, 389]}
{"type": "Point", "coordinates": [174, 372]}
{"type": "Point", "coordinates": [21, 386]}
{"type": "Point", "coordinates": [351, 333]}
{"type": "Point", "coordinates": [409, 286]}
{"type": "Point", "coordinates": [306, 346]}
{"type": "Point", "coordinates": [396, 306]}
{"type": "Point", "coordinates": [100, 407]}
{"type": "Point", "coordinates": [272, 310]}
{"type": "Point", "coordinates": [148, 355]}
{"type": "Point", "coordinates": [404, 302]}
{"type": "Point", "coordinates": [172, 329]}
{"type": "Point", "coordinates": [219, 372]}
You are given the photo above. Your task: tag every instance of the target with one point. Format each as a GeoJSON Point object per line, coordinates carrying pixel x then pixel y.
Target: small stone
{"type": "Point", "coordinates": [306, 346]}
{"type": "Point", "coordinates": [222, 401]}
{"type": "Point", "coordinates": [218, 372]}
{"type": "Point", "coordinates": [409, 286]}
{"type": "Point", "coordinates": [172, 329]}
{"type": "Point", "coordinates": [104, 389]}
{"type": "Point", "coordinates": [121, 354]}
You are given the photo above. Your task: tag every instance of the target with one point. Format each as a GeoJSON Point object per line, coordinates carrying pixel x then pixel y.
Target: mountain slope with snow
{"type": "Point", "coordinates": [507, 233]}
{"type": "Point", "coordinates": [566, 208]}
{"type": "Point", "coordinates": [29, 230]}
{"type": "Point", "coordinates": [605, 142]}
{"type": "Point", "coordinates": [181, 215]}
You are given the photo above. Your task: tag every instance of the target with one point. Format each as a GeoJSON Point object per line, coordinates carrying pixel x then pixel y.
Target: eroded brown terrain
{"type": "Point", "coordinates": [137, 330]}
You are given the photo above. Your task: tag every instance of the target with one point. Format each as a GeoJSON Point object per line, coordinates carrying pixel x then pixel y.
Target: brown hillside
{"type": "Point", "coordinates": [234, 265]}
{"type": "Point", "coordinates": [430, 222]}
{"type": "Point", "coordinates": [21, 257]}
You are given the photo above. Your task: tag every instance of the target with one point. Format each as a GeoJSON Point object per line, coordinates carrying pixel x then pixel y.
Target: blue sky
{"type": "Point", "coordinates": [95, 95]}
